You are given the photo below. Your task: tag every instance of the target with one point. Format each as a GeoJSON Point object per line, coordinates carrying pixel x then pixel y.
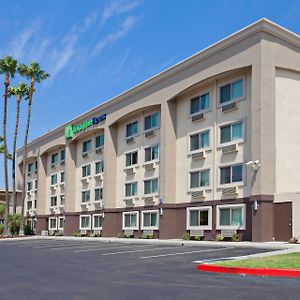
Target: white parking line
{"type": "Point", "coordinates": [107, 248]}
{"type": "Point", "coordinates": [66, 247]}
{"type": "Point", "coordinates": [139, 250]}
{"type": "Point", "coordinates": [184, 253]}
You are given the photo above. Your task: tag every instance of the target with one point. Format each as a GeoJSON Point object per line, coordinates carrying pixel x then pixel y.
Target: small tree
{"type": "Point", "coordinates": [14, 223]}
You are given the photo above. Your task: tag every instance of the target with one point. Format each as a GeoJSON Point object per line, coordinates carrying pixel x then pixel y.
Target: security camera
{"type": "Point", "coordinates": [250, 163]}
{"type": "Point", "coordinates": [254, 165]}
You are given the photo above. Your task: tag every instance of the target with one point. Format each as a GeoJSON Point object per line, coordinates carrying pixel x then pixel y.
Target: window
{"type": "Point", "coordinates": [35, 183]}
{"type": "Point", "coordinates": [231, 216]}
{"type": "Point", "coordinates": [199, 140]}
{"type": "Point", "coordinates": [62, 200]}
{"type": "Point", "coordinates": [231, 91]}
{"type": "Point", "coordinates": [54, 158]}
{"type": "Point", "coordinates": [86, 170]}
{"type": "Point", "coordinates": [151, 186]}
{"type": "Point", "coordinates": [199, 218]}
{"type": "Point", "coordinates": [29, 204]}
{"type": "Point", "coordinates": [62, 177]}
{"type": "Point", "coordinates": [99, 167]}
{"type": "Point", "coordinates": [231, 174]}
{"type": "Point", "coordinates": [85, 222]}
{"type": "Point", "coordinates": [29, 185]}
{"type": "Point", "coordinates": [151, 122]}
{"type": "Point", "coordinates": [97, 221]}
{"type": "Point", "coordinates": [53, 179]}
{"type": "Point", "coordinates": [200, 103]}
{"type": "Point", "coordinates": [151, 153]}
{"type": "Point", "coordinates": [52, 223]}
{"type": "Point", "coordinates": [130, 189]}
{"type": "Point", "coordinates": [232, 132]}
{"type": "Point", "coordinates": [130, 220]}
{"type": "Point", "coordinates": [98, 194]}
{"type": "Point", "coordinates": [199, 179]}
{"type": "Point", "coordinates": [36, 165]}
{"type": "Point", "coordinates": [35, 202]}
{"type": "Point", "coordinates": [131, 129]}
{"type": "Point", "coordinates": [131, 158]}
{"type": "Point", "coordinates": [61, 223]}
{"type": "Point", "coordinates": [99, 141]}
{"type": "Point", "coordinates": [62, 155]}
{"type": "Point", "coordinates": [53, 201]}
{"type": "Point", "coordinates": [30, 168]}
{"type": "Point", "coordinates": [150, 219]}
{"type": "Point", "coordinates": [85, 196]}
{"type": "Point", "coordinates": [87, 146]}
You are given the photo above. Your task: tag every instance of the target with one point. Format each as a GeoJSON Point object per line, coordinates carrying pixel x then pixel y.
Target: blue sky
{"type": "Point", "coordinates": [95, 50]}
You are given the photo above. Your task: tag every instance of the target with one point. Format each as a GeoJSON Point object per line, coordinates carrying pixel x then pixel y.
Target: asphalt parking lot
{"type": "Point", "coordinates": [80, 269]}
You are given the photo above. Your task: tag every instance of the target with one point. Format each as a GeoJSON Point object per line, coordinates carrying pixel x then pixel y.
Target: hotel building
{"type": "Point", "coordinates": [208, 146]}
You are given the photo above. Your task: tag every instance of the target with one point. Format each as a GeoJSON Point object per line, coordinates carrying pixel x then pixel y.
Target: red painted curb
{"type": "Point", "coordinates": [249, 271]}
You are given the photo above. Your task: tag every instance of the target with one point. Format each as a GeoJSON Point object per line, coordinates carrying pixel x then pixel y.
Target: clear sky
{"type": "Point", "coordinates": [95, 50]}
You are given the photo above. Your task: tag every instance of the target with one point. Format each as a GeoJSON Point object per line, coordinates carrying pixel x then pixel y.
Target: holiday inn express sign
{"type": "Point", "coordinates": [71, 130]}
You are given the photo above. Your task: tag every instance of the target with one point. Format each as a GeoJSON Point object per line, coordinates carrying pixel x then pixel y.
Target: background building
{"type": "Point", "coordinates": [208, 146]}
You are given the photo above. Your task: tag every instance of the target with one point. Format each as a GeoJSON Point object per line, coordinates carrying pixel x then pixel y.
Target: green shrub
{"type": "Point", "coordinates": [186, 236]}
{"type": "Point", "coordinates": [197, 238]}
{"type": "Point", "coordinates": [293, 240]}
{"type": "Point", "coordinates": [120, 235]}
{"type": "Point", "coordinates": [2, 210]}
{"type": "Point", "coordinates": [235, 237]}
{"type": "Point", "coordinates": [1, 229]}
{"type": "Point", "coordinates": [27, 230]}
{"type": "Point", "coordinates": [77, 234]}
{"type": "Point", "coordinates": [219, 237]}
{"type": "Point", "coordinates": [14, 223]}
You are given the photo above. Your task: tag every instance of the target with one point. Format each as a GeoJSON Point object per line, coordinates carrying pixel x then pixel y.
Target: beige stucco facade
{"type": "Point", "coordinates": [262, 63]}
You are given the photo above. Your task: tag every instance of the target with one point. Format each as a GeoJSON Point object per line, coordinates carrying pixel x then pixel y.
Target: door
{"type": "Point", "coordinates": [283, 221]}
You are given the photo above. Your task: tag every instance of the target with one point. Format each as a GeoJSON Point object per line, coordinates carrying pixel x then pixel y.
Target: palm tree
{"type": "Point", "coordinates": [34, 74]}
{"type": "Point", "coordinates": [8, 66]}
{"type": "Point", "coordinates": [21, 91]}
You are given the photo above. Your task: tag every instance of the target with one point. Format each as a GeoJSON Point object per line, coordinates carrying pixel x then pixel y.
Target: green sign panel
{"type": "Point", "coordinates": [71, 130]}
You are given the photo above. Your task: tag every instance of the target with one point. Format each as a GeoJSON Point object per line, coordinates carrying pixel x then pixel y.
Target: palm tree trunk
{"type": "Point", "coordinates": [6, 228]}
{"type": "Point", "coordinates": [14, 155]}
{"type": "Point", "coordinates": [25, 155]}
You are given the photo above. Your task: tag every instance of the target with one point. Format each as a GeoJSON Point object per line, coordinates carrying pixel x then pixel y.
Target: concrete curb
{"type": "Point", "coordinates": [292, 273]}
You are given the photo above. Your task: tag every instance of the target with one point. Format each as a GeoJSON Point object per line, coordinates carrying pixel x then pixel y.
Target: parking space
{"type": "Point", "coordinates": [94, 269]}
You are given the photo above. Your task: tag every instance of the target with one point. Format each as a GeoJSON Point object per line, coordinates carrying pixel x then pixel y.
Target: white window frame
{"type": "Point", "coordinates": [84, 167]}
{"type": "Point", "coordinates": [130, 152]}
{"type": "Point", "coordinates": [30, 182]}
{"type": "Point", "coordinates": [80, 225]}
{"type": "Point", "coordinates": [49, 225]}
{"type": "Point", "coordinates": [96, 188]}
{"type": "Point", "coordinates": [58, 222]}
{"type": "Point", "coordinates": [98, 161]}
{"type": "Point", "coordinates": [93, 219]}
{"type": "Point", "coordinates": [62, 195]}
{"type": "Point", "coordinates": [232, 184]}
{"type": "Point", "coordinates": [58, 160]}
{"type": "Point", "coordinates": [189, 151]}
{"type": "Point", "coordinates": [51, 199]}
{"type": "Point", "coordinates": [239, 141]}
{"type": "Point", "coordinates": [231, 227]}
{"type": "Point", "coordinates": [63, 172]}
{"type": "Point", "coordinates": [150, 114]}
{"type": "Point", "coordinates": [82, 191]}
{"type": "Point", "coordinates": [100, 147]}
{"type": "Point", "coordinates": [88, 151]}
{"type": "Point", "coordinates": [158, 186]}
{"type": "Point", "coordinates": [142, 220]}
{"type": "Point", "coordinates": [136, 134]}
{"type": "Point", "coordinates": [230, 81]}
{"type": "Point", "coordinates": [207, 91]}
{"type": "Point", "coordinates": [137, 189]}
{"type": "Point", "coordinates": [53, 184]}
{"type": "Point", "coordinates": [200, 227]}
{"type": "Point", "coordinates": [200, 188]}
{"type": "Point", "coordinates": [130, 213]}
{"type": "Point", "coordinates": [144, 153]}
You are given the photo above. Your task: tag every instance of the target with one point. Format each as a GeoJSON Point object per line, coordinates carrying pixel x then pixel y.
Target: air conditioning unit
{"type": "Point", "coordinates": [149, 166]}
{"type": "Point", "coordinates": [149, 133]}
{"type": "Point", "coordinates": [83, 205]}
{"type": "Point", "coordinates": [52, 187]}
{"type": "Point", "coordinates": [229, 107]}
{"type": "Point", "coordinates": [52, 166]}
{"type": "Point", "coordinates": [149, 199]}
{"type": "Point", "coordinates": [230, 191]}
{"type": "Point", "coordinates": [99, 204]}
{"type": "Point", "coordinates": [44, 233]}
{"type": "Point", "coordinates": [85, 154]}
{"type": "Point", "coordinates": [97, 231]}
{"type": "Point", "coordinates": [83, 232]}
{"type": "Point", "coordinates": [129, 140]}
{"type": "Point", "coordinates": [129, 171]}
{"type": "Point", "coordinates": [98, 177]}
{"type": "Point", "coordinates": [84, 180]}
{"type": "Point", "coordinates": [198, 194]}
{"type": "Point", "coordinates": [128, 232]}
{"type": "Point", "coordinates": [198, 155]}
{"type": "Point", "coordinates": [196, 232]}
{"type": "Point", "coordinates": [51, 232]}
{"type": "Point", "coordinates": [62, 184]}
{"type": "Point", "coordinates": [61, 208]}
{"type": "Point", "coordinates": [228, 232]}
{"type": "Point", "coordinates": [198, 117]}
{"type": "Point", "coordinates": [150, 232]}
{"type": "Point", "coordinates": [99, 150]}
{"type": "Point", "coordinates": [230, 148]}
{"type": "Point", "coordinates": [62, 162]}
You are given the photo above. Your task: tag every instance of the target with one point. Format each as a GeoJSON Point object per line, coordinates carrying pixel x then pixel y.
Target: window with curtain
{"type": "Point", "coordinates": [87, 146]}
{"type": "Point", "coordinates": [199, 179]}
{"type": "Point", "coordinates": [86, 170]}
{"type": "Point", "coordinates": [98, 194]}
{"type": "Point", "coordinates": [231, 91]}
{"type": "Point", "coordinates": [99, 141]}
{"type": "Point", "coordinates": [130, 189]}
{"type": "Point", "coordinates": [131, 158]}
{"type": "Point", "coordinates": [85, 196]}
{"type": "Point", "coordinates": [231, 216]}
{"type": "Point", "coordinates": [151, 186]}
{"type": "Point", "coordinates": [231, 174]}
{"type": "Point", "coordinates": [151, 122]}
{"type": "Point", "coordinates": [54, 158]}
{"type": "Point", "coordinates": [130, 220]}
{"type": "Point", "coordinates": [199, 140]}
{"type": "Point", "coordinates": [99, 167]}
{"type": "Point", "coordinates": [231, 132]}
{"type": "Point", "coordinates": [85, 222]}
{"type": "Point", "coordinates": [151, 153]}
{"type": "Point", "coordinates": [199, 103]}
{"type": "Point", "coordinates": [98, 221]}
{"type": "Point", "coordinates": [150, 219]}
{"type": "Point", "coordinates": [198, 217]}
{"type": "Point", "coordinates": [53, 179]}
{"type": "Point", "coordinates": [131, 129]}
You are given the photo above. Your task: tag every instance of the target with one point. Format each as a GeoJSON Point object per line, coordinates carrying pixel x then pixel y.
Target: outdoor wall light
{"type": "Point", "coordinates": [255, 205]}
{"type": "Point", "coordinates": [161, 211]}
